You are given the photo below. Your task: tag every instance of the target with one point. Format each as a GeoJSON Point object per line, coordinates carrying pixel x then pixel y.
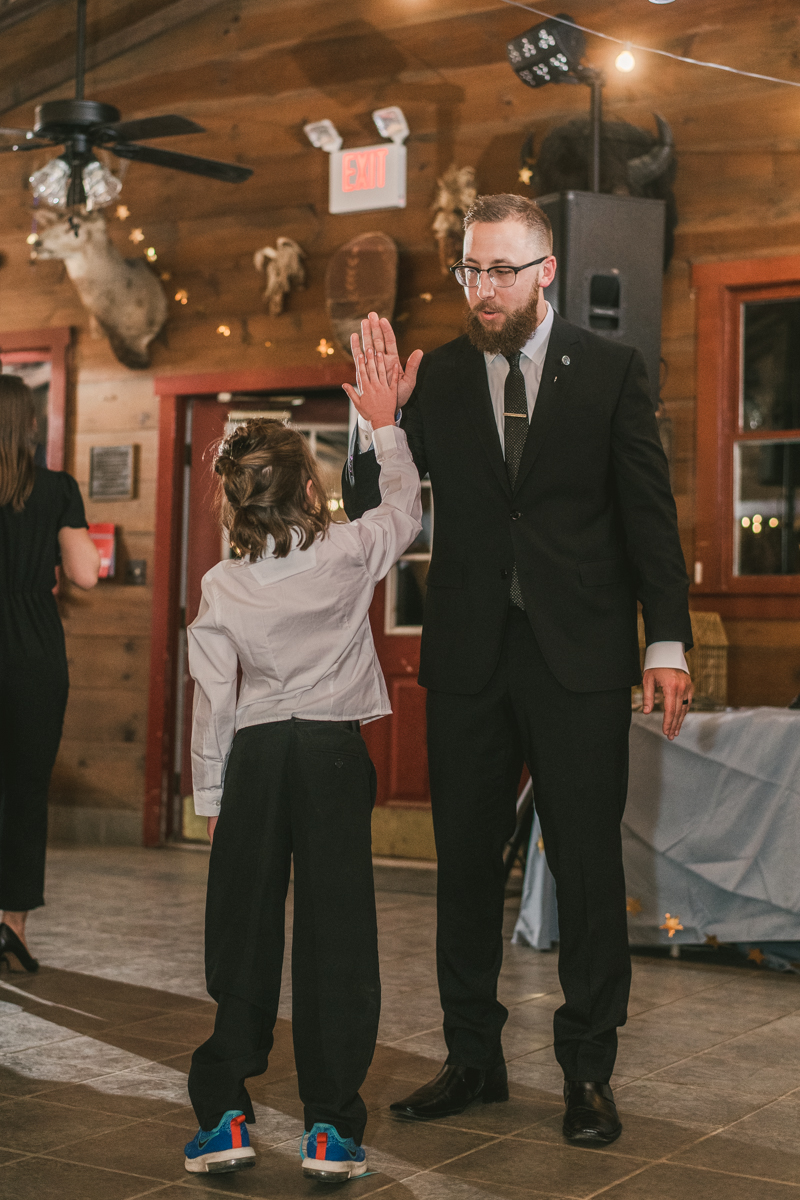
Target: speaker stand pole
{"type": "Point", "coordinates": [594, 79]}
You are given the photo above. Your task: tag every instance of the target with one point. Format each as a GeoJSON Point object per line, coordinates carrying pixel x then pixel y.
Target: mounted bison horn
{"type": "Point", "coordinates": [649, 166]}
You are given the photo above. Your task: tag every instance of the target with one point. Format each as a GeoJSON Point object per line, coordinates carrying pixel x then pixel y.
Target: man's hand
{"type": "Point", "coordinates": [376, 397]}
{"type": "Point", "coordinates": [377, 335]}
{"type": "Point", "coordinates": [678, 692]}
{"type": "Point", "coordinates": [212, 825]}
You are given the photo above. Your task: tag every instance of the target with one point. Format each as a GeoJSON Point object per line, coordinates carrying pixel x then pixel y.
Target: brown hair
{"type": "Point", "coordinates": [17, 441]}
{"type": "Point", "coordinates": [265, 469]}
{"type": "Point", "coordinates": [508, 207]}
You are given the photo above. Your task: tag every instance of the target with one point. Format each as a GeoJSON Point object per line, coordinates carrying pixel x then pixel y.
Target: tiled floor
{"type": "Point", "coordinates": [95, 1049]}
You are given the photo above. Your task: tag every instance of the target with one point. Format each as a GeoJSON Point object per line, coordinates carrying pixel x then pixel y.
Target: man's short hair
{"type": "Point", "coordinates": [507, 207]}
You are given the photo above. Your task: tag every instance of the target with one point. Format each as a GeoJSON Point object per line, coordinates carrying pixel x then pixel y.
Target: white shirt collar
{"type": "Point", "coordinates": [537, 342]}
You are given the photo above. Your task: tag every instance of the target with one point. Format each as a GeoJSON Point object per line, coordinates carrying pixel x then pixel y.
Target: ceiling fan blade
{"type": "Point", "coordinates": [168, 125]}
{"type": "Point", "coordinates": [16, 147]}
{"type": "Point", "coordinates": [226, 172]}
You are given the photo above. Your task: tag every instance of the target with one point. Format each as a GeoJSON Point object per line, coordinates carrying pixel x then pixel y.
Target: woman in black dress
{"type": "Point", "coordinates": [42, 524]}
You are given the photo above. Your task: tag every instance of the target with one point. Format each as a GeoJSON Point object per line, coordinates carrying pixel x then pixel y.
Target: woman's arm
{"type": "Point", "coordinates": [80, 559]}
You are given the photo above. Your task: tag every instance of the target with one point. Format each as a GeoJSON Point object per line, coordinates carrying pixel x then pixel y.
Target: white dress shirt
{"type": "Point", "coordinates": [299, 627]}
{"type": "Point", "coordinates": [532, 356]}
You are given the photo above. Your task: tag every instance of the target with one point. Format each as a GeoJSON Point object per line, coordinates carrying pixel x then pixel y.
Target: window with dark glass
{"type": "Point", "coordinates": [766, 519]}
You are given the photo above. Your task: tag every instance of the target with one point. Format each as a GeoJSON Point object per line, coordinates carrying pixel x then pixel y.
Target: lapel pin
{"type": "Point", "coordinates": [565, 360]}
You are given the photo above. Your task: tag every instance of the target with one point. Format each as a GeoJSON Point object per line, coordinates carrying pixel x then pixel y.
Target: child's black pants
{"type": "Point", "coordinates": [301, 789]}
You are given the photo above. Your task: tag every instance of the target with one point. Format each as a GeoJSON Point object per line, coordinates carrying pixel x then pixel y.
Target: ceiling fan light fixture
{"type": "Point", "coordinates": [101, 185]}
{"type": "Point", "coordinates": [51, 182]}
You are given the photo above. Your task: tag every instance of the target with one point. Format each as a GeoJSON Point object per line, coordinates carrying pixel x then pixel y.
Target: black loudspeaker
{"type": "Point", "coordinates": [610, 253]}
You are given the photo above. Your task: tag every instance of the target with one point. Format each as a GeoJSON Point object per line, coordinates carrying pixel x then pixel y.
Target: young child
{"type": "Point", "coordinates": [282, 773]}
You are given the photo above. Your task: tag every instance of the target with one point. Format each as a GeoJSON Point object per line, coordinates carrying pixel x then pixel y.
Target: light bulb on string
{"type": "Point", "coordinates": [625, 61]}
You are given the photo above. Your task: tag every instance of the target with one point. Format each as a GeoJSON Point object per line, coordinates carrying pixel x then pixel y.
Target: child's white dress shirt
{"type": "Point", "coordinates": [298, 626]}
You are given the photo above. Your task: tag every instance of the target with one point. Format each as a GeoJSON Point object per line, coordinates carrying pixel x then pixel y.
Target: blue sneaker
{"type": "Point", "coordinates": [226, 1148]}
{"type": "Point", "coordinates": [330, 1158]}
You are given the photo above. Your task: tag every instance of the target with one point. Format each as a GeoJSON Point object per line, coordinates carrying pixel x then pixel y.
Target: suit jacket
{"type": "Point", "coordinates": [590, 522]}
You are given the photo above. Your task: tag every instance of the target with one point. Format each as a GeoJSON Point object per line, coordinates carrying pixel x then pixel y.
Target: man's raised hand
{"type": "Point", "coordinates": [375, 398]}
{"type": "Point", "coordinates": [377, 334]}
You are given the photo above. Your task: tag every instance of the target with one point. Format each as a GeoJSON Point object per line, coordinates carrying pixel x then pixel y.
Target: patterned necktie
{"type": "Point", "coordinates": [515, 430]}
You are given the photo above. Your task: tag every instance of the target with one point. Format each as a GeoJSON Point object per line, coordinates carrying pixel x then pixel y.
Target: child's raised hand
{"type": "Point", "coordinates": [376, 399]}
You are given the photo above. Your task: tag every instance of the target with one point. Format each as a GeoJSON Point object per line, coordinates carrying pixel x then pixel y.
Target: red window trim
{"type": "Point", "coordinates": [720, 290]}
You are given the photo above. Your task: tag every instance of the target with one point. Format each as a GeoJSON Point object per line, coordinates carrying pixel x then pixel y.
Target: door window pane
{"type": "Point", "coordinates": [771, 365]}
{"type": "Point", "coordinates": [766, 524]}
{"type": "Point", "coordinates": [405, 583]}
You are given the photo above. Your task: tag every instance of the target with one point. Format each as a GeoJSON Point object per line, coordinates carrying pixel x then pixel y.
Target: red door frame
{"type": "Point", "coordinates": [174, 392]}
{"type": "Point", "coordinates": [33, 345]}
{"type": "Point", "coordinates": [721, 288]}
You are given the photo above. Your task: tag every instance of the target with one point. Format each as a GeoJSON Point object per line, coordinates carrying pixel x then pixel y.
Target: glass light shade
{"type": "Point", "coordinates": [51, 182]}
{"type": "Point", "coordinates": [101, 186]}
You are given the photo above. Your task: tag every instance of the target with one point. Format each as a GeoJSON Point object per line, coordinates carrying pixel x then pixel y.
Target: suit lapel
{"type": "Point", "coordinates": [556, 381]}
{"type": "Point", "coordinates": [475, 389]}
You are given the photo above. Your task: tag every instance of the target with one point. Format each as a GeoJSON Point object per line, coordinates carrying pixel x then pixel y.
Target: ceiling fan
{"type": "Point", "coordinates": [77, 177]}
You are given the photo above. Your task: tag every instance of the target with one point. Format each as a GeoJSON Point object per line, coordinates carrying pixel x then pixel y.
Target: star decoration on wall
{"type": "Point", "coordinates": [525, 175]}
{"type": "Point", "coordinates": [757, 956]}
{"type": "Point", "coordinates": [136, 235]}
{"type": "Point", "coordinates": [123, 212]}
{"type": "Point", "coordinates": [633, 906]}
{"type": "Point", "coordinates": [324, 348]}
{"type": "Point", "coordinates": [672, 924]}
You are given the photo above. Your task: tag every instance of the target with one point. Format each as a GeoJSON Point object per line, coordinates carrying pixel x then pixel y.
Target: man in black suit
{"type": "Point", "coordinates": [553, 516]}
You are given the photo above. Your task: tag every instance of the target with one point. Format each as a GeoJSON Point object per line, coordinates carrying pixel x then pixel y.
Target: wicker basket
{"type": "Point", "coordinates": [707, 662]}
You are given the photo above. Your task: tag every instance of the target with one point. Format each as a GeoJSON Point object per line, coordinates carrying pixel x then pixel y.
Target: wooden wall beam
{"type": "Point", "coordinates": [12, 14]}
{"type": "Point", "coordinates": [116, 44]}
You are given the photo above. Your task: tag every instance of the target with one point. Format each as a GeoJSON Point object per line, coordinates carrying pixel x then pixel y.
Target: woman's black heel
{"type": "Point", "coordinates": [11, 944]}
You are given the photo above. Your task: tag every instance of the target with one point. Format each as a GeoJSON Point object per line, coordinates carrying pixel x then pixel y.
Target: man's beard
{"type": "Point", "coordinates": [514, 332]}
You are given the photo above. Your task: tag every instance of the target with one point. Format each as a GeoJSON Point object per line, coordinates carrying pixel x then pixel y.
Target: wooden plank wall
{"type": "Point", "coordinates": [252, 73]}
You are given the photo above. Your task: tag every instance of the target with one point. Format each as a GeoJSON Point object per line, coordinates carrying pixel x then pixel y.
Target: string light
{"type": "Point", "coordinates": [150, 254]}
{"type": "Point", "coordinates": [182, 296]}
{"type": "Point", "coordinates": [696, 62]}
{"type": "Point", "coordinates": [224, 330]}
{"type": "Point", "coordinates": [625, 61]}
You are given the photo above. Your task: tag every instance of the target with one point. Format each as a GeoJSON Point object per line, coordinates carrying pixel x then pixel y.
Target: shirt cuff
{"type": "Point", "coordinates": [365, 431]}
{"type": "Point", "coordinates": [386, 439]}
{"type": "Point", "coordinates": [665, 654]}
{"type": "Point", "coordinates": [207, 801]}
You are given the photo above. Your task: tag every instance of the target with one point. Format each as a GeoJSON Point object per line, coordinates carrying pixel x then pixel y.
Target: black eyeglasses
{"type": "Point", "coordinates": [501, 277]}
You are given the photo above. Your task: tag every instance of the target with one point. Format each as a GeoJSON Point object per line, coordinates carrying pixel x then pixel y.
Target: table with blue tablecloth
{"type": "Point", "coordinates": [710, 835]}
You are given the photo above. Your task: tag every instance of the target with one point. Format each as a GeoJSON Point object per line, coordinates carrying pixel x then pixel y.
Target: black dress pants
{"type": "Point", "coordinates": [33, 698]}
{"type": "Point", "coordinates": [303, 790]}
{"type": "Point", "coordinates": [576, 747]}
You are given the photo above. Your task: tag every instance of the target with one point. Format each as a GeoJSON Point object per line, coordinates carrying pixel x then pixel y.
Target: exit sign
{"type": "Point", "coordinates": [367, 177]}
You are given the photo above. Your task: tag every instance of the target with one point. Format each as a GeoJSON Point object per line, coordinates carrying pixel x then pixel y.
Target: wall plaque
{"type": "Point", "coordinates": [111, 473]}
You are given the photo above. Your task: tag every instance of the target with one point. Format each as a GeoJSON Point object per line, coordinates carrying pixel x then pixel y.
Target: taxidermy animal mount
{"type": "Point", "coordinates": [283, 268]}
{"type": "Point", "coordinates": [123, 295]}
{"type": "Point", "coordinates": [632, 163]}
{"type": "Point", "coordinates": [456, 193]}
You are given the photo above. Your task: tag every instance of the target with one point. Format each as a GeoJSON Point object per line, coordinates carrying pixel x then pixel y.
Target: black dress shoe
{"type": "Point", "coordinates": [453, 1089]}
{"type": "Point", "coordinates": [11, 944]}
{"type": "Point", "coordinates": [591, 1116]}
